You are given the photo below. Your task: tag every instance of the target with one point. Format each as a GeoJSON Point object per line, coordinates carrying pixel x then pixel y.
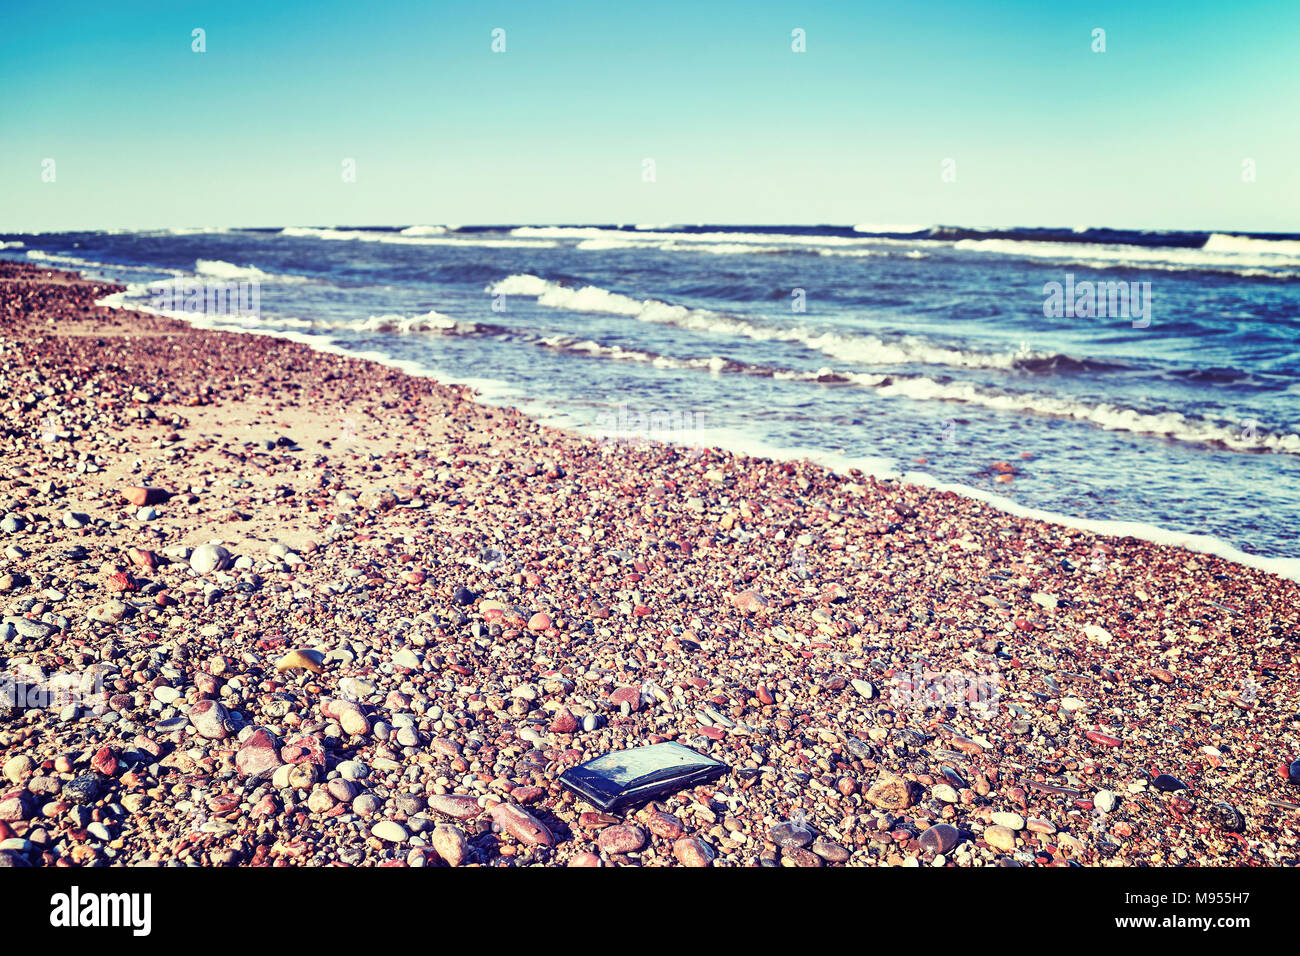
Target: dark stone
{"type": "Point", "coordinates": [84, 789]}
{"type": "Point", "coordinates": [1293, 772]}
{"type": "Point", "coordinates": [464, 596]}
{"type": "Point", "coordinates": [1227, 817]}
{"type": "Point", "coordinates": [940, 838]}
{"type": "Point", "coordinates": [790, 834]}
{"type": "Point", "coordinates": [1168, 783]}
{"type": "Point", "coordinates": [860, 749]}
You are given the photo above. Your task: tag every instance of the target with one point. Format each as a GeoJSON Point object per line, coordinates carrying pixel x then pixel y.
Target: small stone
{"type": "Point", "coordinates": [86, 788]}
{"type": "Point", "coordinates": [1104, 801]}
{"type": "Point", "coordinates": [664, 825]}
{"type": "Point", "coordinates": [390, 831]}
{"type": "Point", "coordinates": [211, 720]}
{"type": "Point", "coordinates": [890, 792]}
{"type": "Point", "coordinates": [1003, 838]}
{"type": "Point", "coordinates": [621, 839]}
{"type": "Point", "coordinates": [692, 851]}
{"type": "Point", "coordinates": [207, 558]}
{"type": "Point", "coordinates": [830, 852]}
{"type": "Point", "coordinates": [798, 856]}
{"type": "Point", "coordinates": [16, 768]}
{"type": "Point", "coordinates": [301, 658]}
{"type": "Point", "coordinates": [109, 612]}
{"type": "Point", "coordinates": [1167, 783]}
{"type": "Point", "coordinates": [944, 792]}
{"type": "Point", "coordinates": [141, 496]}
{"type": "Point", "coordinates": [865, 688]}
{"type": "Point", "coordinates": [522, 825]}
{"type": "Point", "coordinates": [451, 843]}
{"type": "Point", "coordinates": [940, 838]}
{"type": "Point", "coordinates": [1012, 821]}
{"type": "Point", "coordinates": [1227, 817]}
{"type": "Point", "coordinates": [563, 722]}
{"type": "Point", "coordinates": [377, 499]}
{"type": "Point", "coordinates": [791, 834]}
{"type": "Point", "coordinates": [454, 805]}
{"type": "Point", "coordinates": [259, 754]}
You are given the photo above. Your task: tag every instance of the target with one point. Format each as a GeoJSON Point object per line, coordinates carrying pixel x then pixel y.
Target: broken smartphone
{"type": "Point", "coordinates": [627, 777]}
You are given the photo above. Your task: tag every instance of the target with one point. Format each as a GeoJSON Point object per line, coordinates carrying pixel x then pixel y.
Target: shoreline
{"type": "Point", "coordinates": [747, 446]}
{"type": "Point", "coordinates": [789, 620]}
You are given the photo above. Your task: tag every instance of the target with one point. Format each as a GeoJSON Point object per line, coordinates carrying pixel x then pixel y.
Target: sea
{"type": "Point", "coordinates": [1140, 383]}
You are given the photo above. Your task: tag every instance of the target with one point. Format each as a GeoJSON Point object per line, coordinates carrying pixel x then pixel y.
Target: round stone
{"type": "Point", "coordinates": [1227, 817]}
{"type": "Point", "coordinates": [940, 838]}
{"type": "Point", "coordinates": [621, 838]}
{"type": "Point", "coordinates": [790, 834]}
{"type": "Point", "coordinates": [208, 558]}
{"type": "Point", "coordinates": [1000, 837]}
{"type": "Point", "coordinates": [389, 831]}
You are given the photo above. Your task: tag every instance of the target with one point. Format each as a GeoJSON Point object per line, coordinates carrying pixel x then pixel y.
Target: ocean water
{"type": "Point", "coordinates": [938, 353]}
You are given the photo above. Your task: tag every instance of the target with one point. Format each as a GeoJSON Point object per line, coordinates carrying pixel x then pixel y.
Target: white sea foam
{"type": "Point", "coordinates": [1221, 242]}
{"type": "Point", "coordinates": [871, 227]}
{"type": "Point", "coordinates": [715, 238]}
{"type": "Point", "coordinates": [851, 347]}
{"type": "Point", "coordinates": [220, 269]}
{"type": "Point", "coordinates": [365, 235]}
{"type": "Point", "coordinates": [13, 244]}
{"type": "Point", "coordinates": [431, 321]}
{"type": "Point", "coordinates": [1240, 258]}
{"type": "Point", "coordinates": [1105, 415]}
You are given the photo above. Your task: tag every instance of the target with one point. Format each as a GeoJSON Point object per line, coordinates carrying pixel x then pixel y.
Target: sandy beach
{"type": "Point", "coordinates": [265, 605]}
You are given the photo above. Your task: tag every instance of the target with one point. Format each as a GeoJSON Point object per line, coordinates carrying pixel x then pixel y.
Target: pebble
{"type": "Point", "coordinates": [18, 767]}
{"type": "Point", "coordinates": [207, 558]}
{"type": "Point", "coordinates": [86, 788]}
{"type": "Point", "coordinates": [1003, 838]}
{"type": "Point", "coordinates": [390, 832]}
{"type": "Point", "coordinates": [790, 834]}
{"type": "Point", "coordinates": [259, 754]}
{"type": "Point", "coordinates": [890, 792]}
{"type": "Point", "coordinates": [451, 844]}
{"type": "Point", "coordinates": [522, 825]}
{"type": "Point", "coordinates": [692, 851]}
{"type": "Point", "coordinates": [940, 838]}
{"type": "Point", "coordinates": [621, 839]}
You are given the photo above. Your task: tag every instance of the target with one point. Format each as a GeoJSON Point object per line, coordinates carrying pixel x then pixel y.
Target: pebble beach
{"type": "Point", "coordinates": [265, 605]}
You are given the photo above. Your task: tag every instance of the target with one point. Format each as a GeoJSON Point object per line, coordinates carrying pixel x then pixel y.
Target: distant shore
{"type": "Point", "coordinates": [895, 674]}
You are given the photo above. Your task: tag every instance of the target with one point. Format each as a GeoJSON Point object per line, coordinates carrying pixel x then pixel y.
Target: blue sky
{"type": "Point", "coordinates": [1150, 134]}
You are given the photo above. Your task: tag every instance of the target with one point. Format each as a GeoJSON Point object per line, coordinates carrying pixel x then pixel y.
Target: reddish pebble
{"type": "Point", "coordinates": [141, 496]}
